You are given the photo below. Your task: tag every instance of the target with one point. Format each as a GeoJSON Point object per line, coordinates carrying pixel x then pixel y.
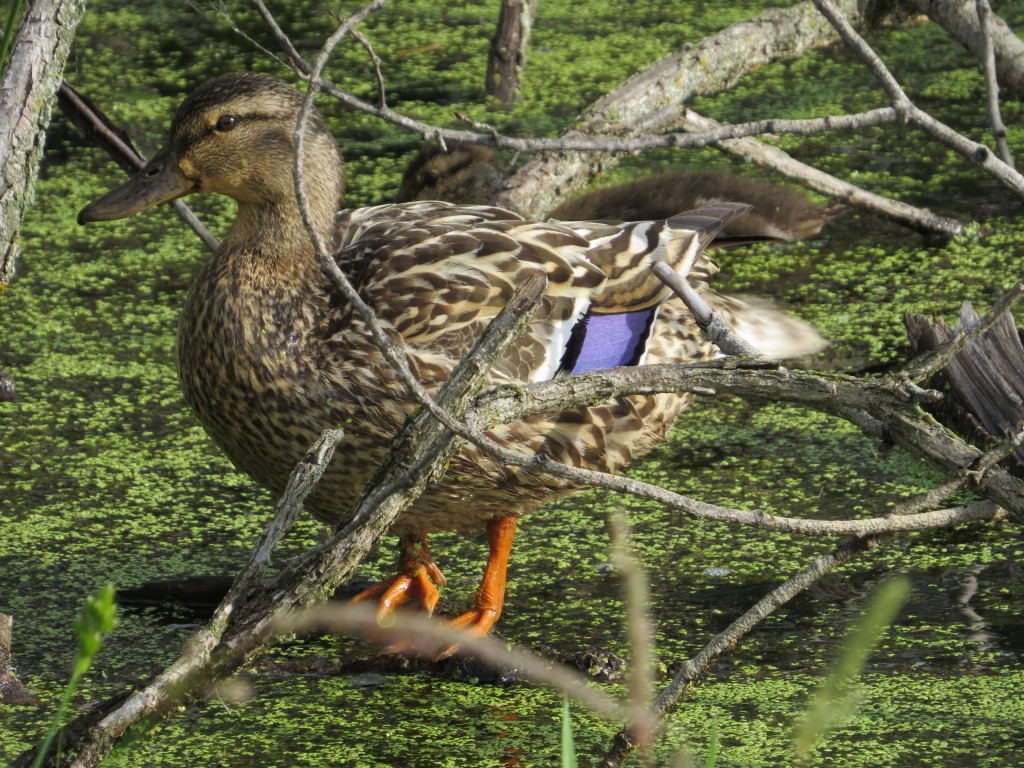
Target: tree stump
{"type": "Point", "coordinates": [983, 384]}
{"type": "Point", "coordinates": [12, 691]}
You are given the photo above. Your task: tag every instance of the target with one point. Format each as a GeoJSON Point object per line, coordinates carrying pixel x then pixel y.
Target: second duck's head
{"type": "Point", "coordinates": [233, 135]}
{"type": "Point", "coordinates": [467, 174]}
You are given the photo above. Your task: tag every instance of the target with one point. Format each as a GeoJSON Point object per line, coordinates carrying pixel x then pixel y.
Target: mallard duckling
{"type": "Point", "coordinates": [269, 354]}
{"type": "Point", "coordinates": [467, 173]}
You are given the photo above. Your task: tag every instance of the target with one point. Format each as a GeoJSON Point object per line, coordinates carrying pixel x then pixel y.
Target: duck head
{"type": "Point", "coordinates": [464, 173]}
{"type": "Point", "coordinates": [233, 135]}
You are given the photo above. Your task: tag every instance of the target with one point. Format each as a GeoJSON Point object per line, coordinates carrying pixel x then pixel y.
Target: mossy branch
{"type": "Point", "coordinates": [251, 618]}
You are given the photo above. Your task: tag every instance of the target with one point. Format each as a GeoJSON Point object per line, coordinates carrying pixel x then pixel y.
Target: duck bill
{"type": "Point", "coordinates": [160, 181]}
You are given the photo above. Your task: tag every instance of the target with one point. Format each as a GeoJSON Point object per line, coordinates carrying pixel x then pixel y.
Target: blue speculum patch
{"type": "Point", "coordinates": [607, 341]}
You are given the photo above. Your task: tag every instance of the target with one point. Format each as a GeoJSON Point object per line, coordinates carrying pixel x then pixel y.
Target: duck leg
{"type": "Point", "coordinates": [490, 597]}
{"type": "Point", "coordinates": [418, 578]}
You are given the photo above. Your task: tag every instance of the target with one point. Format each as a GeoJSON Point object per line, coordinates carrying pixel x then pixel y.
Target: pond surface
{"type": "Point", "coordinates": [106, 477]}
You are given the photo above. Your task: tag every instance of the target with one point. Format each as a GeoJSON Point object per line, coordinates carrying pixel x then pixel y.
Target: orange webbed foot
{"type": "Point", "coordinates": [417, 580]}
{"type": "Point", "coordinates": [490, 598]}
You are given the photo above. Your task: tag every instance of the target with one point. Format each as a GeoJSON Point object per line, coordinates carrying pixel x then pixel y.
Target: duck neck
{"type": "Point", "coordinates": [278, 227]}
{"type": "Point", "coordinates": [269, 219]}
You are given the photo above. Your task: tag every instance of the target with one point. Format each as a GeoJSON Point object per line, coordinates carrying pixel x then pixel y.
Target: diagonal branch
{"type": "Point", "coordinates": [768, 156]}
{"type": "Point", "coordinates": [101, 131]}
{"type": "Point", "coordinates": [252, 621]}
{"type": "Point", "coordinates": [971, 150]}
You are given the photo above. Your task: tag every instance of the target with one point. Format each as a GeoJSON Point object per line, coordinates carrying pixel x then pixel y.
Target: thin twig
{"type": "Point", "coordinates": [709, 321]}
{"type": "Point", "coordinates": [295, 58]}
{"type": "Point", "coordinates": [382, 100]}
{"type": "Point", "coordinates": [304, 477]}
{"type": "Point", "coordinates": [220, 10]}
{"type": "Point", "coordinates": [988, 58]}
{"type": "Point", "coordinates": [907, 110]}
{"type": "Point", "coordinates": [932, 498]}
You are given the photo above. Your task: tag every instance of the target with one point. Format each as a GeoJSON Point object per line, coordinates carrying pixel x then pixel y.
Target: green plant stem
{"type": "Point", "coordinates": [833, 700]}
{"type": "Point", "coordinates": [568, 744]}
{"type": "Point", "coordinates": [96, 619]}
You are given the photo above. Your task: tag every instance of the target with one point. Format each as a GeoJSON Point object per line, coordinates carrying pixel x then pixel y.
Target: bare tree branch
{"type": "Point", "coordinates": [709, 321]}
{"type": "Point", "coordinates": [988, 58]}
{"type": "Point", "coordinates": [977, 153]}
{"type": "Point", "coordinates": [772, 157]}
{"type": "Point", "coordinates": [28, 85]}
{"type": "Point", "coordinates": [638, 105]}
{"type": "Point", "coordinates": [961, 20]}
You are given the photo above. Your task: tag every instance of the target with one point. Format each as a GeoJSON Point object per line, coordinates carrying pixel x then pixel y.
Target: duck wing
{"type": "Point", "coordinates": [437, 273]}
{"type": "Point", "coordinates": [433, 268]}
{"type": "Point", "coordinates": [627, 252]}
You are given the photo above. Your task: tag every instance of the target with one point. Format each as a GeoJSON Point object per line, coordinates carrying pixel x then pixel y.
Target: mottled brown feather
{"type": "Point", "coordinates": [270, 354]}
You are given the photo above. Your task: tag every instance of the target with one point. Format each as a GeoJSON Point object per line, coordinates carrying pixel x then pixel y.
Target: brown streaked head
{"type": "Point", "coordinates": [233, 135]}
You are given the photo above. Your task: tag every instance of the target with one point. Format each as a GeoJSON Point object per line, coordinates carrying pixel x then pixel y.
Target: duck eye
{"type": "Point", "coordinates": [432, 177]}
{"type": "Point", "coordinates": [226, 123]}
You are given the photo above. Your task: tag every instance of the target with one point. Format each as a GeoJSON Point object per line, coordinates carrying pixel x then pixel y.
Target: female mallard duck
{"type": "Point", "coordinates": [467, 173]}
{"type": "Point", "coordinates": [269, 354]}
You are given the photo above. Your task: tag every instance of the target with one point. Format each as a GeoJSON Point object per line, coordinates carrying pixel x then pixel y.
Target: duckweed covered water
{"type": "Point", "coordinates": [105, 475]}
